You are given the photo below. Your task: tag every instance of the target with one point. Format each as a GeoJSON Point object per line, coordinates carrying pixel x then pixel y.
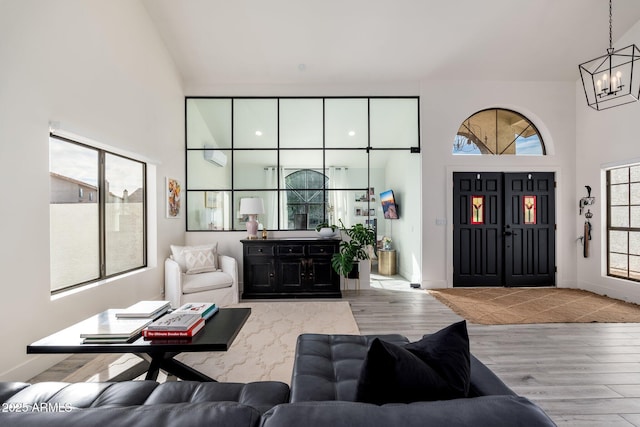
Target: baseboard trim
{"type": "Point", "coordinates": [32, 367]}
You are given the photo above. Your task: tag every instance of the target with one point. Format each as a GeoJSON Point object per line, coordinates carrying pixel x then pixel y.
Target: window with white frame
{"type": "Point", "coordinates": [97, 214]}
{"type": "Point", "coordinates": [623, 222]}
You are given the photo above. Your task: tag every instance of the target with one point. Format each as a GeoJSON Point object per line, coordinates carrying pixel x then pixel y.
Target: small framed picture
{"type": "Point", "coordinates": [173, 194]}
{"type": "Point", "coordinates": [210, 199]}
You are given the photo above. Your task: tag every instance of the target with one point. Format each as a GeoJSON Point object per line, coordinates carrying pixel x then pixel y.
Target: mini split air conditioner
{"type": "Point", "coordinates": [216, 157]}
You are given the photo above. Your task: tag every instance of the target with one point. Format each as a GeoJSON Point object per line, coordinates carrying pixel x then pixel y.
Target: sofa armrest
{"type": "Point", "coordinates": [172, 282]}
{"type": "Point", "coordinates": [484, 382]}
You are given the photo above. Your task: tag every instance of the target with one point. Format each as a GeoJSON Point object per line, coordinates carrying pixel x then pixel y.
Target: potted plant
{"type": "Point", "coordinates": [352, 250]}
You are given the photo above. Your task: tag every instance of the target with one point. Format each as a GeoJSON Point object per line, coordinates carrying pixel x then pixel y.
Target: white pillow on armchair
{"type": "Point", "coordinates": [179, 255]}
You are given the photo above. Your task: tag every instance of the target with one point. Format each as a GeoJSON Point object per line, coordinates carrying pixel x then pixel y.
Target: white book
{"type": "Point", "coordinates": [174, 322]}
{"type": "Point", "coordinates": [204, 309]}
{"type": "Point", "coordinates": [107, 325]}
{"type": "Point", "coordinates": [148, 309]}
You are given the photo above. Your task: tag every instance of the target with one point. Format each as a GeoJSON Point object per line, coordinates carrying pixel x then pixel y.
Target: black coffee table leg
{"type": "Point", "coordinates": [167, 363]}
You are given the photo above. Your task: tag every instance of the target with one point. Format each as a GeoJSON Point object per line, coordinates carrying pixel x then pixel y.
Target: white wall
{"type": "Point", "coordinates": [444, 105]}
{"type": "Point", "coordinates": [604, 138]}
{"type": "Point", "coordinates": [403, 176]}
{"type": "Point", "coordinates": [101, 71]}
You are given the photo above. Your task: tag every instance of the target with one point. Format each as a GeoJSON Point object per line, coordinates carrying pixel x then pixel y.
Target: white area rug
{"type": "Point", "coordinates": [265, 346]}
{"type": "Point", "coordinates": [262, 351]}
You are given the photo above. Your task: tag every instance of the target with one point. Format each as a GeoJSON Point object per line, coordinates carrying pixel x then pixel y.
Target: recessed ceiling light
{"type": "Point", "coordinates": [302, 67]}
{"type": "Point", "coordinates": [352, 133]}
{"type": "Point", "coordinates": [258, 133]}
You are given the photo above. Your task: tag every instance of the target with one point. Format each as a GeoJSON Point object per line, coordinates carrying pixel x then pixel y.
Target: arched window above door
{"type": "Point", "coordinates": [498, 131]}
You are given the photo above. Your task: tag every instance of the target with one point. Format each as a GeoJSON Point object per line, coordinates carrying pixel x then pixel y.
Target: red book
{"type": "Point", "coordinates": [174, 334]}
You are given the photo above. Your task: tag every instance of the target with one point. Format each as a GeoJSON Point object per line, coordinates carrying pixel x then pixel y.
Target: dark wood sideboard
{"type": "Point", "coordinates": [290, 268]}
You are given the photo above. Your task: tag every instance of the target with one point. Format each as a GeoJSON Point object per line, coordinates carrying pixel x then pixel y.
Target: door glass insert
{"type": "Point", "coordinates": [529, 209]}
{"type": "Point", "coordinates": [477, 210]}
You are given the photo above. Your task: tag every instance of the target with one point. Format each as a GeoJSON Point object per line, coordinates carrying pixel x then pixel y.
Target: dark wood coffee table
{"type": "Point", "coordinates": [217, 335]}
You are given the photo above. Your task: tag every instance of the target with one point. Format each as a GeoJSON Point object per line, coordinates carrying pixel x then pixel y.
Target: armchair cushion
{"type": "Point", "coordinates": [192, 283]}
{"type": "Point", "coordinates": [178, 253]}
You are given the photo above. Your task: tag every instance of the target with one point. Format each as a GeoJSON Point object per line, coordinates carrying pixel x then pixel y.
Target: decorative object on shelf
{"type": "Point", "coordinates": [354, 249]}
{"type": "Point", "coordinates": [386, 243]}
{"type": "Point", "coordinates": [325, 230]}
{"type": "Point", "coordinates": [173, 198]}
{"type": "Point", "coordinates": [252, 206]}
{"type": "Point", "coordinates": [608, 80]}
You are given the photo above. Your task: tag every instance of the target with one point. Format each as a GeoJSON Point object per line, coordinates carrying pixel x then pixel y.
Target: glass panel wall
{"type": "Point", "coordinates": [309, 159]}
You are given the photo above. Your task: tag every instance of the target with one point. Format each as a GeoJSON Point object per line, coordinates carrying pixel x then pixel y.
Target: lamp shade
{"type": "Point", "coordinates": [251, 206]}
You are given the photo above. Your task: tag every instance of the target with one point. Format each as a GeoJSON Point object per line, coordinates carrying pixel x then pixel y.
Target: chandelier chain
{"type": "Point", "coordinates": [610, 25]}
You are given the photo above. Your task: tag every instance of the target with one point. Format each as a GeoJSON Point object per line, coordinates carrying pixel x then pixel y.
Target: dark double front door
{"type": "Point", "coordinates": [503, 229]}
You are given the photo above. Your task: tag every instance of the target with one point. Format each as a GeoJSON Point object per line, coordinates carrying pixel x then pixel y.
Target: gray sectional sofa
{"type": "Point", "coordinates": [323, 392]}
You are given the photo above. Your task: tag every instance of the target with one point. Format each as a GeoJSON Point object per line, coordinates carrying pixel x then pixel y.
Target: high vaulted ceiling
{"type": "Point", "coordinates": [378, 41]}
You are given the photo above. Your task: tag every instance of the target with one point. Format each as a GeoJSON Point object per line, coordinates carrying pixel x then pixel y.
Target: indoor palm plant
{"type": "Point", "coordinates": [354, 249]}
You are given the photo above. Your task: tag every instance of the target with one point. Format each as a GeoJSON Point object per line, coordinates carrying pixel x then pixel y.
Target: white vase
{"type": "Point", "coordinates": [326, 232]}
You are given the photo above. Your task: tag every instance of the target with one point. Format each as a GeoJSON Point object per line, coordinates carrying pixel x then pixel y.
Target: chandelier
{"type": "Point", "coordinates": [609, 80]}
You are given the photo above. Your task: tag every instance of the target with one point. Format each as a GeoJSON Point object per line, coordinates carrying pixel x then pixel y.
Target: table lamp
{"type": "Point", "coordinates": [252, 206]}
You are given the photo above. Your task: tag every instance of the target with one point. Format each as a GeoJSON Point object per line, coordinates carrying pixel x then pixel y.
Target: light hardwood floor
{"type": "Point", "coordinates": [580, 374]}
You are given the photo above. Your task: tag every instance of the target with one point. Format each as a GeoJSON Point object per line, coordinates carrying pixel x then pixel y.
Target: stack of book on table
{"type": "Point", "coordinates": [183, 322]}
{"type": "Point", "coordinates": [121, 325]}
{"type": "Point", "coordinates": [108, 328]}
{"type": "Point", "coordinates": [145, 309]}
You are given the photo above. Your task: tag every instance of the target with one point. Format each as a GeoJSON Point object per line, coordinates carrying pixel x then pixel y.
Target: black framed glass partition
{"type": "Point", "coordinates": [308, 159]}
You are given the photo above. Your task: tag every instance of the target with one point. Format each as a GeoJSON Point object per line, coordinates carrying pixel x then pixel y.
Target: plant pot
{"type": "Point", "coordinates": [326, 232]}
{"type": "Point", "coordinates": [355, 272]}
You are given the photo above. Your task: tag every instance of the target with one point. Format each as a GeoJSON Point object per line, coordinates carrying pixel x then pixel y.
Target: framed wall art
{"type": "Point", "coordinates": [173, 194]}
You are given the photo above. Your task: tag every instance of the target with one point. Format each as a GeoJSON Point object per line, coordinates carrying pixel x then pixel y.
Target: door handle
{"type": "Point", "coordinates": [509, 233]}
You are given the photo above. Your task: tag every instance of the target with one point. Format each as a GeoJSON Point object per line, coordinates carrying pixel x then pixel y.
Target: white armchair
{"type": "Point", "coordinates": [215, 282]}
